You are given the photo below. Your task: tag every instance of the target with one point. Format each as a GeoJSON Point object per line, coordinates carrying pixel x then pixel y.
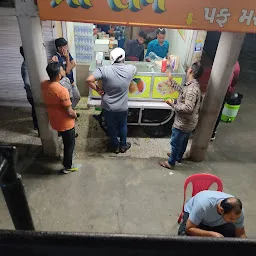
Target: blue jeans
{"type": "Point", "coordinates": [117, 127]}
{"type": "Point", "coordinates": [76, 96]}
{"type": "Point", "coordinates": [179, 142]}
{"type": "Point", "coordinates": [121, 43]}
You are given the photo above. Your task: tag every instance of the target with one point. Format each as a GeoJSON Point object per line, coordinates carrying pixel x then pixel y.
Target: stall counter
{"type": "Point", "coordinates": [149, 84]}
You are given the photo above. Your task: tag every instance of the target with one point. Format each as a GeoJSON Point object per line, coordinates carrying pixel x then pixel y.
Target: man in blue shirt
{"type": "Point", "coordinates": [159, 46]}
{"type": "Point", "coordinates": [64, 58]}
{"type": "Point", "coordinates": [213, 214]}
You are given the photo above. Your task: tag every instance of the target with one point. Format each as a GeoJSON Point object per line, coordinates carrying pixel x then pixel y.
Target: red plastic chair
{"type": "Point", "coordinates": [200, 182]}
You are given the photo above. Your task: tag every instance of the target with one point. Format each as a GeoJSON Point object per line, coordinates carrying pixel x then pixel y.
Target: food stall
{"type": "Point", "coordinates": [203, 15]}
{"type": "Point", "coordinates": [147, 93]}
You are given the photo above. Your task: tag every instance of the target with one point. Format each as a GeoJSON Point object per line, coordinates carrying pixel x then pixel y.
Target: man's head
{"type": "Point", "coordinates": [117, 56]}
{"type": "Point", "coordinates": [161, 34]}
{"type": "Point", "coordinates": [22, 52]}
{"type": "Point", "coordinates": [142, 37]}
{"type": "Point", "coordinates": [54, 71]}
{"type": "Point", "coordinates": [195, 71]}
{"type": "Point", "coordinates": [61, 45]}
{"type": "Point", "coordinates": [230, 209]}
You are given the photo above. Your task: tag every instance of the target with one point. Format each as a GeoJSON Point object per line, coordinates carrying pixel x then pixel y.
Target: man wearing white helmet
{"type": "Point", "coordinates": [116, 79]}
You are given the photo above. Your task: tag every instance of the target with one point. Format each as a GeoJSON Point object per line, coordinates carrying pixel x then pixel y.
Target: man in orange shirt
{"type": "Point", "coordinates": [61, 115]}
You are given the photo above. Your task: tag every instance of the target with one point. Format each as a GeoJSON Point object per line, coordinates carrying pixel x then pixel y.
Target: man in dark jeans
{"type": "Point", "coordinates": [116, 80]}
{"type": "Point", "coordinates": [213, 214]}
{"type": "Point", "coordinates": [25, 77]}
{"type": "Point", "coordinates": [61, 115]}
{"type": "Point", "coordinates": [187, 109]}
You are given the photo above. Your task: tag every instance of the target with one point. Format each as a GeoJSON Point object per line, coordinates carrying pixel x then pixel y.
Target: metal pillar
{"type": "Point", "coordinates": [226, 56]}
{"type": "Point", "coordinates": [35, 54]}
{"type": "Point", "coordinates": [13, 190]}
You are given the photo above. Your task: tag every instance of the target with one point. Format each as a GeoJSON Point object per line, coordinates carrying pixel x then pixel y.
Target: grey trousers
{"type": "Point", "coordinates": [76, 96]}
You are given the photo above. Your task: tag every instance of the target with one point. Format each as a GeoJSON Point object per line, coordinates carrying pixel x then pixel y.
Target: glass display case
{"type": "Point", "coordinates": [149, 84]}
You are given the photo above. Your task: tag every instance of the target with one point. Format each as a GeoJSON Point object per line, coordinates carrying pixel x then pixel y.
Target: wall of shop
{"type": "Point", "coordinates": [180, 43]}
{"type": "Point", "coordinates": [12, 92]}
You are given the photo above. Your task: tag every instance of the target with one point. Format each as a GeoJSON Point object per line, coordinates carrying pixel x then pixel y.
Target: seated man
{"type": "Point", "coordinates": [134, 49]}
{"type": "Point", "coordinates": [213, 214]}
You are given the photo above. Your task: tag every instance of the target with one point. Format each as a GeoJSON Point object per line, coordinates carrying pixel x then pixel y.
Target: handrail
{"type": "Point", "coordinates": [13, 189]}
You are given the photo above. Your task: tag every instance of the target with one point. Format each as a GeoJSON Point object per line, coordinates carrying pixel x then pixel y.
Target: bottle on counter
{"type": "Point", "coordinates": [164, 65]}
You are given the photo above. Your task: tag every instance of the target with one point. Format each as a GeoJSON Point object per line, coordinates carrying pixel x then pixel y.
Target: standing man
{"type": "Point", "coordinates": [213, 214]}
{"type": "Point", "coordinates": [231, 89]}
{"type": "Point", "coordinates": [104, 28]}
{"type": "Point", "coordinates": [61, 115]}
{"type": "Point", "coordinates": [25, 77]}
{"type": "Point", "coordinates": [159, 46]}
{"type": "Point", "coordinates": [187, 109]}
{"type": "Point", "coordinates": [134, 49]}
{"type": "Point", "coordinates": [66, 60]}
{"type": "Point", "coordinates": [119, 33]}
{"type": "Point", "coordinates": [116, 80]}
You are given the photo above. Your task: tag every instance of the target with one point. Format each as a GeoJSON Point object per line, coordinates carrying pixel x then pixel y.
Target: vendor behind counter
{"type": "Point", "coordinates": [134, 49]}
{"type": "Point", "coordinates": [104, 28]}
{"type": "Point", "coordinates": [159, 46]}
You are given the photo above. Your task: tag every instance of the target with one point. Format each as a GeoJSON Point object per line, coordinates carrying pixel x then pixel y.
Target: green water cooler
{"type": "Point", "coordinates": [231, 108]}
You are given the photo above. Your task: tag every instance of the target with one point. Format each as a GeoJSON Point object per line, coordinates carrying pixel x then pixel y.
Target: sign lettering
{"type": "Point", "coordinates": [86, 4]}
{"type": "Point", "coordinates": [222, 15]}
{"type": "Point", "coordinates": [117, 5]}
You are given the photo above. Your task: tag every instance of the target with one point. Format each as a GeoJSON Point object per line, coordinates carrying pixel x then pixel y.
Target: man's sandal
{"type": "Point", "coordinates": [166, 165]}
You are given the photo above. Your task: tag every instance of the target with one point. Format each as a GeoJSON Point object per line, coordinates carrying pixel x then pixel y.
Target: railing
{"type": "Point", "coordinates": [13, 189]}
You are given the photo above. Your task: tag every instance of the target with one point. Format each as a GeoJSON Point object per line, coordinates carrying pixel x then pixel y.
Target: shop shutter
{"type": "Point", "coordinates": [12, 91]}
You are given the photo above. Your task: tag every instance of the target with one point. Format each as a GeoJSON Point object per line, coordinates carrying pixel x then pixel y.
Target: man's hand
{"type": "Point", "coordinates": [216, 235]}
{"type": "Point", "coordinates": [91, 81]}
{"type": "Point", "coordinates": [100, 91]}
{"type": "Point", "coordinates": [169, 75]}
{"type": "Point", "coordinates": [71, 112]}
{"type": "Point", "coordinates": [55, 59]}
{"type": "Point", "coordinates": [111, 31]}
{"type": "Point", "coordinates": [65, 53]}
{"type": "Point", "coordinates": [170, 102]}
{"type": "Point", "coordinates": [194, 230]}
{"type": "Point", "coordinates": [240, 232]}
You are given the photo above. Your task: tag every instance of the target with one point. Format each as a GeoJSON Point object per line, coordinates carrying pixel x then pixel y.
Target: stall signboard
{"type": "Point", "coordinates": [163, 90]}
{"type": "Point", "coordinates": [218, 15]}
{"type": "Point", "coordinates": [138, 89]}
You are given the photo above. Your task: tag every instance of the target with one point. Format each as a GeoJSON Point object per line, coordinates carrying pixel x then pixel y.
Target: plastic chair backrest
{"type": "Point", "coordinates": [200, 182]}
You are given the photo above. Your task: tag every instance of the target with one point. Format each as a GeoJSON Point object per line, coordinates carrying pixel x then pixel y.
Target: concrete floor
{"type": "Point", "coordinates": [129, 193]}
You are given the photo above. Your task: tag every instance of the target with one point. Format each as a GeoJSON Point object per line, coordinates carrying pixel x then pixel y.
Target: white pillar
{"type": "Point", "coordinates": [35, 54]}
{"type": "Point", "coordinates": [226, 56]}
